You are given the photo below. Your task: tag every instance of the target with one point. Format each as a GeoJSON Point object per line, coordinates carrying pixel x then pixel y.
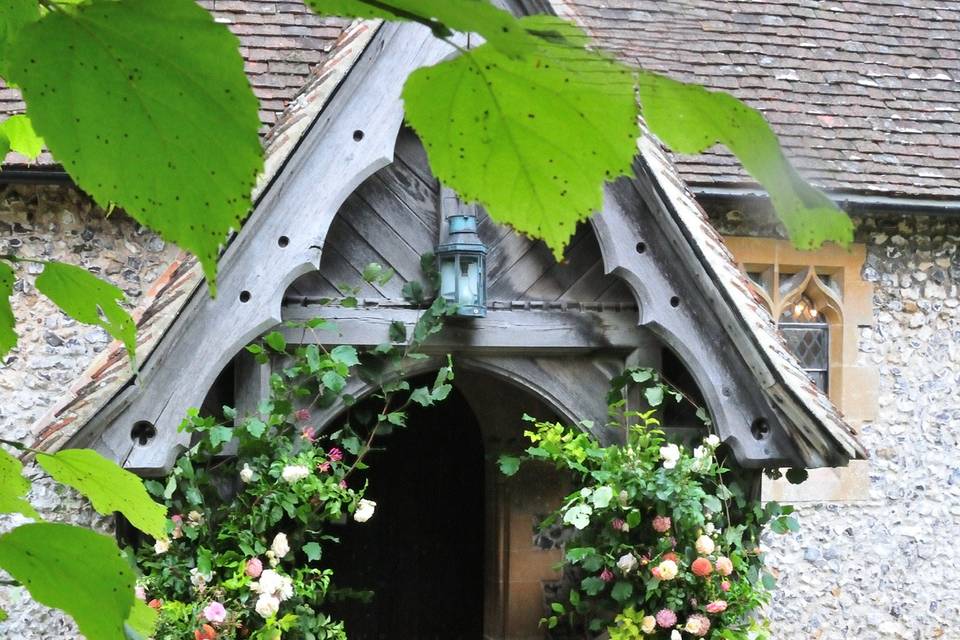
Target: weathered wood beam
{"type": "Point", "coordinates": [517, 331]}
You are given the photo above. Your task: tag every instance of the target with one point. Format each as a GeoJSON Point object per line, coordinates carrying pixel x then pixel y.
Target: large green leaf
{"type": "Point", "coordinates": [14, 15]}
{"type": "Point", "coordinates": [18, 130]}
{"type": "Point", "coordinates": [690, 119]}
{"type": "Point", "coordinates": [87, 299]}
{"type": "Point", "coordinates": [8, 337]}
{"type": "Point", "coordinates": [146, 104]}
{"type": "Point", "coordinates": [531, 138]}
{"type": "Point", "coordinates": [142, 621]}
{"type": "Point", "coordinates": [109, 487]}
{"type": "Point", "coordinates": [73, 569]}
{"type": "Point", "coordinates": [13, 486]}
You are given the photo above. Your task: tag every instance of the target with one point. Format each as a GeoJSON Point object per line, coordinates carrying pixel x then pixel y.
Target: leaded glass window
{"type": "Point", "coordinates": [808, 338]}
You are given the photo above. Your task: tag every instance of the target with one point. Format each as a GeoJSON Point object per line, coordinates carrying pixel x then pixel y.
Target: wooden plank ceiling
{"type": "Point", "coordinates": [393, 219]}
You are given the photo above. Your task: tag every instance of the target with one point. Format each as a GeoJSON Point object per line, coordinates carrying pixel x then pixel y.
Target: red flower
{"type": "Point", "coordinates": [309, 434]}
{"type": "Point", "coordinates": [618, 524]}
{"type": "Point", "coordinates": [606, 575]}
{"type": "Point", "coordinates": [701, 567]}
{"type": "Point", "coordinates": [206, 632]}
{"type": "Point", "coordinates": [669, 555]}
{"type": "Point", "coordinates": [155, 604]}
{"type": "Point", "coordinates": [335, 454]}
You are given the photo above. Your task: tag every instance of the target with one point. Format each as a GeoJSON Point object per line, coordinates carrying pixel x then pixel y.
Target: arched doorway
{"type": "Point", "coordinates": [422, 554]}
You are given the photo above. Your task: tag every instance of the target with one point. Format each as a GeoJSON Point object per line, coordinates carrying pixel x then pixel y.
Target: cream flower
{"type": "Point", "coordinates": [280, 546]}
{"type": "Point", "coordinates": [246, 474]}
{"type": "Point", "coordinates": [364, 510]}
{"type": "Point", "coordinates": [294, 473]}
{"type": "Point", "coordinates": [724, 566]}
{"type": "Point", "coordinates": [267, 605]}
{"type": "Point", "coordinates": [704, 545]}
{"type": "Point", "coordinates": [648, 624]}
{"type": "Point", "coordinates": [701, 452]}
{"type": "Point", "coordinates": [667, 570]}
{"type": "Point", "coordinates": [712, 441]}
{"type": "Point", "coordinates": [670, 455]}
{"type": "Point", "coordinates": [675, 635]}
{"type": "Point", "coordinates": [161, 546]}
{"type": "Point", "coordinates": [627, 563]}
{"type": "Point", "coordinates": [272, 583]}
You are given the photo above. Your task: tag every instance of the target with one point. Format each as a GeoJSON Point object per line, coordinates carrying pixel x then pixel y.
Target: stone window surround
{"type": "Point", "coordinates": [847, 304]}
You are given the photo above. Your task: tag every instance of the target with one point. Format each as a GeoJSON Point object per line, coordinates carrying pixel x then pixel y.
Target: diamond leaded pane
{"type": "Point", "coordinates": [810, 343]}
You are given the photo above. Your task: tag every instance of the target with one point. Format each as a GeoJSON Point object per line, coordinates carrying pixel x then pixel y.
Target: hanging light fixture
{"type": "Point", "coordinates": [461, 258]}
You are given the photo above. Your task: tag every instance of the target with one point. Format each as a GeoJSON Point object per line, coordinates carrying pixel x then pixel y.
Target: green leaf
{"type": "Point", "coordinates": [621, 591]}
{"type": "Point", "coordinates": [255, 427]}
{"type": "Point", "coordinates": [654, 395]}
{"type": "Point", "coordinates": [13, 486]}
{"type": "Point", "coordinates": [18, 130]}
{"type": "Point", "coordinates": [691, 119]}
{"type": "Point", "coordinates": [592, 585]}
{"type": "Point", "coordinates": [769, 582]}
{"type": "Point", "coordinates": [146, 105]}
{"type": "Point", "coordinates": [8, 337]}
{"type": "Point", "coordinates": [87, 299]}
{"type": "Point", "coordinates": [73, 569]}
{"type": "Point", "coordinates": [712, 503]}
{"type": "Point", "coordinates": [345, 354]}
{"type": "Point", "coordinates": [142, 621]}
{"type": "Point", "coordinates": [797, 476]}
{"type": "Point", "coordinates": [398, 418]}
{"type": "Point", "coordinates": [220, 435]}
{"type": "Point", "coordinates": [3, 615]}
{"type": "Point", "coordinates": [422, 396]}
{"type": "Point", "coordinates": [509, 465]}
{"type": "Point", "coordinates": [398, 331]}
{"type": "Point", "coordinates": [14, 15]}
{"type": "Point", "coordinates": [276, 341]}
{"type": "Point", "coordinates": [313, 551]}
{"type": "Point", "coordinates": [579, 553]}
{"type": "Point", "coordinates": [490, 122]}
{"type": "Point", "coordinates": [109, 487]}
{"type": "Point", "coordinates": [333, 381]}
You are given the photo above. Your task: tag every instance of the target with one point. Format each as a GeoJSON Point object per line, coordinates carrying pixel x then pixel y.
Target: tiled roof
{"type": "Point", "coordinates": [280, 42]}
{"type": "Point", "coordinates": [865, 94]}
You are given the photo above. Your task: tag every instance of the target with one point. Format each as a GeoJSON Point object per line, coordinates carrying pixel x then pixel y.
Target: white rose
{"type": "Point", "coordinates": [704, 545]}
{"type": "Point", "coordinates": [195, 517]}
{"type": "Point", "coordinates": [675, 635]}
{"type": "Point", "coordinates": [627, 563]}
{"type": "Point", "coordinates": [693, 626]}
{"type": "Point", "coordinates": [364, 510]}
{"type": "Point", "coordinates": [701, 452]}
{"type": "Point", "coordinates": [294, 473]}
{"type": "Point", "coordinates": [712, 441]}
{"type": "Point", "coordinates": [670, 455]}
{"type": "Point", "coordinates": [161, 546]}
{"type": "Point", "coordinates": [273, 584]}
{"type": "Point", "coordinates": [648, 625]}
{"type": "Point", "coordinates": [280, 546]}
{"type": "Point", "coordinates": [710, 528]}
{"type": "Point", "coordinates": [267, 605]}
{"type": "Point", "coordinates": [246, 474]}
{"type": "Point", "coordinates": [668, 570]}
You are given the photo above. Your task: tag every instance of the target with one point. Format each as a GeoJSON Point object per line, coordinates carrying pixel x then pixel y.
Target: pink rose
{"type": "Point", "coordinates": [302, 415]}
{"type": "Point", "coordinates": [666, 618]}
{"type": "Point", "coordinates": [606, 575]}
{"type": "Point", "coordinates": [343, 484]}
{"type": "Point", "coordinates": [725, 585]}
{"type": "Point", "coordinates": [656, 573]}
{"type": "Point", "coordinates": [140, 593]}
{"type": "Point", "coordinates": [661, 524]}
{"type": "Point", "coordinates": [254, 567]}
{"type": "Point", "coordinates": [215, 613]}
{"type": "Point", "coordinates": [309, 434]}
{"type": "Point", "coordinates": [724, 566]}
{"type": "Point", "coordinates": [335, 455]}
{"type": "Point", "coordinates": [717, 606]}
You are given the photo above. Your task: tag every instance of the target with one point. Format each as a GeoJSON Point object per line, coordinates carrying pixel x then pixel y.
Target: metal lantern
{"type": "Point", "coordinates": [461, 258]}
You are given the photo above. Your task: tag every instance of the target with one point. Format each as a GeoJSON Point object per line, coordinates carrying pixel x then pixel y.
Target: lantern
{"type": "Point", "coordinates": [461, 258]}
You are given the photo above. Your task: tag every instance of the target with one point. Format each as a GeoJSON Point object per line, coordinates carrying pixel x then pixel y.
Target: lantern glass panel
{"type": "Point", "coordinates": [448, 277]}
{"type": "Point", "coordinates": [469, 281]}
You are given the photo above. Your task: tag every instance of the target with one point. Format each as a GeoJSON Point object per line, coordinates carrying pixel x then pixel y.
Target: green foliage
{"type": "Point", "coordinates": [8, 337]}
{"type": "Point", "coordinates": [88, 299]}
{"type": "Point", "coordinates": [18, 134]}
{"type": "Point", "coordinates": [109, 487]}
{"type": "Point", "coordinates": [141, 622]}
{"type": "Point", "coordinates": [14, 15]}
{"type": "Point", "coordinates": [73, 569]}
{"type": "Point", "coordinates": [642, 514]}
{"type": "Point", "coordinates": [691, 119]}
{"type": "Point", "coordinates": [146, 105]}
{"type": "Point", "coordinates": [537, 181]}
{"type": "Point", "coordinates": [13, 487]}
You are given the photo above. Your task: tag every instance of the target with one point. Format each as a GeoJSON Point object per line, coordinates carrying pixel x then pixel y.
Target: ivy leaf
{"type": "Point", "coordinates": [146, 105]}
{"type": "Point", "coordinates": [490, 124]}
{"type": "Point", "coordinates": [345, 355]}
{"type": "Point", "coordinates": [255, 427]}
{"type": "Point", "coordinates": [621, 591]}
{"type": "Point", "coordinates": [8, 337]}
{"type": "Point", "coordinates": [276, 341]}
{"type": "Point", "coordinates": [13, 486]}
{"type": "Point", "coordinates": [109, 487]}
{"type": "Point", "coordinates": [220, 435]}
{"type": "Point", "coordinates": [691, 119]}
{"type": "Point", "coordinates": [73, 569]}
{"type": "Point", "coordinates": [19, 132]}
{"type": "Point", "coordinates": [88, 299]}
{"type": "Point", "coordinates": [592, 585]}
{"type": "Point", "coordinates": [509, 465]}
{"type": "Point", "coordinates": [313, 551]}
{"type": "Point", "coordinates": [654, 395]}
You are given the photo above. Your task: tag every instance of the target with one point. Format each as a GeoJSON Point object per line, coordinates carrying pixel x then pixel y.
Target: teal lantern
{"type": "Point", "coordinates": [461, 258]}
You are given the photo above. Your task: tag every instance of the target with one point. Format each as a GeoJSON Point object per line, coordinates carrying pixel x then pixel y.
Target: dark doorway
{"type": "Point", "coordinates": [422, 552]}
